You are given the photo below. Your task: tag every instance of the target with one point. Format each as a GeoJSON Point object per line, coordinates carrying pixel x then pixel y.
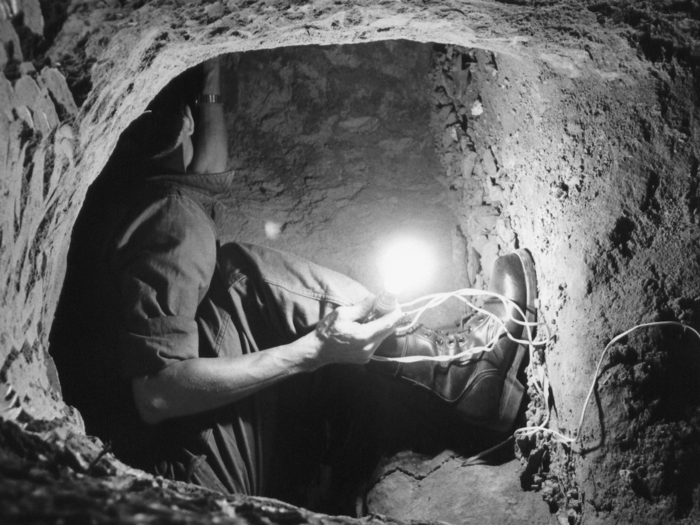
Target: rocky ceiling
{"type": "Point", "coordinates": [590, 151]}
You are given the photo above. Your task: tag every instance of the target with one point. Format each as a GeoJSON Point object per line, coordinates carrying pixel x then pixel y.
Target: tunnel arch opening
{"type": "Point", "coordinates": [606, 115]}
{"type": "Point", "coordinates": [342, 147]}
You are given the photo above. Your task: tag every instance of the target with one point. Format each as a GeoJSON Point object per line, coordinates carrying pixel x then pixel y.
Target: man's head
{"type": "Point", "coordinates": [164, 128]}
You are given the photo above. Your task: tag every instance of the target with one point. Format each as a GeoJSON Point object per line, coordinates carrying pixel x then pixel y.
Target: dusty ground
{"type": "Point", "coordinates": [568, 128]}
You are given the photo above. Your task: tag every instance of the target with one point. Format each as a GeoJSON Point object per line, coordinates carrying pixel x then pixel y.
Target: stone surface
{"type": "Point", "coordinates": [11, 49]}
{"type": "Point", "coordinates": [49, 474]}
{"type": "Point", "coordinates": [32, 17]}
{"type": "Point", "coordinates": [442, 489]}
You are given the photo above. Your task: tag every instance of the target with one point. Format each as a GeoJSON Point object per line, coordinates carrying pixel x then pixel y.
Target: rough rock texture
{"type": "Point", "coordinates": [569, 128]}
{"type": "Point", "coordinates": [412, 489]}
{"type": "Point", "coordinates": [53, 475]}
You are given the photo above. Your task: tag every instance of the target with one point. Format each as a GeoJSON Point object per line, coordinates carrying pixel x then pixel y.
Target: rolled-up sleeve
{"type": "Point", "coordinates": [163, 262]}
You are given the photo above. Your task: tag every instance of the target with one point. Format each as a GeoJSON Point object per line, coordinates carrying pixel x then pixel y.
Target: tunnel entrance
{"type": "Point", "coordinates": [335, 151]}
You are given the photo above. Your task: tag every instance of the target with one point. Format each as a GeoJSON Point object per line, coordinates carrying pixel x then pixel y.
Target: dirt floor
{"type": "Point", "coordinates": [571, 129]}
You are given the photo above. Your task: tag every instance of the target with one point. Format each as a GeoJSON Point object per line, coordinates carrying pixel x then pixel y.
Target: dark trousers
{"type": "Point", "coordinates": [285, 440]}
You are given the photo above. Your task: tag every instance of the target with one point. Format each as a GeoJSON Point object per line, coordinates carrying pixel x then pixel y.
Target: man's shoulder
{"type": "Point", "coordinates": [172, 204]}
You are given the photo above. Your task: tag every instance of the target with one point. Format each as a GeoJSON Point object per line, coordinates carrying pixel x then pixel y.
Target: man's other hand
{"type": "Point", "coordinates": [344, 338]}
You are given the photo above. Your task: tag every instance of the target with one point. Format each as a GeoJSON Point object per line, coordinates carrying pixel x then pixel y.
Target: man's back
{"type": "Point", "coordinates": [85, 330]}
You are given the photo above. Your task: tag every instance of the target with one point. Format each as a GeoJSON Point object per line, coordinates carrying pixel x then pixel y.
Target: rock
{"type": "Point", "coordinates": [449, 137]}
{"type": "Point", "coordinates": [33, 19]}
{"type": "Point", "coordinates": [37, 100]}
{"type": "Point", "coordinates": [479, 243]}
{"type": "Point", "coordinates": [9, 41]}
{"type": "Point", "coordinates": [215, 10]}
{"type": "Point", "coordinates": [468, 162]}
{"type": "Point", "coordinates": [495, 193]}
{"type": "Point", "coordinates": [27, 68]}
{"type": "Point", "coordinates": [7, 97]}
{"type": "Point", "coordinates": [489, 163]}
{"type": "Point", "coordinates": [478, 171]}
{"type": "Point", "coordinates": [505, 231]}
{"type": "Point", "coordinates": [482, 220]}
{"type": "Point", "coordinates": [56, 84]}
{"type": "Point", "coordinates": [475, 495]}
{"type": "Point", "coordinates": [447, 115]}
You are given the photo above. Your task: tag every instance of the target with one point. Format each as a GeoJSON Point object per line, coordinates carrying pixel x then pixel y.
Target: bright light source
{"type": "Point", "coordinates": [273, 230]}
{"type": "Point", "coordinates": [405, 263]}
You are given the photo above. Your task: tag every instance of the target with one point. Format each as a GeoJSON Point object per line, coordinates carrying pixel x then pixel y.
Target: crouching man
{"type": "Point", "coordinates": [207, 332]}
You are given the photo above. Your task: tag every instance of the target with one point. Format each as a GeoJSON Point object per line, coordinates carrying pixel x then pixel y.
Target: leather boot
{"type": "Point", "coordinates": [484, 388]}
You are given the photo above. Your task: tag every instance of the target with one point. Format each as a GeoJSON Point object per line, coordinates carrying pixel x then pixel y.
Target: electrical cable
{"type": "Point", "coordinates": [434, 300]}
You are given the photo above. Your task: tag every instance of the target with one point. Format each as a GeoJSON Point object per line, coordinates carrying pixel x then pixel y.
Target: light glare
{"type": "Point", "coordinates": [273, 230]}
{"type": "Point", "coordinates": [405, 263]}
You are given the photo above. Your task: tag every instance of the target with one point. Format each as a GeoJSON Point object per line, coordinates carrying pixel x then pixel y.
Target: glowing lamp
{"type": "Point", "coordinates": [404, 263]}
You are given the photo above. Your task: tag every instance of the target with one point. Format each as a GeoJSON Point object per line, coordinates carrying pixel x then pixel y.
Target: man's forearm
{"type": "Point", "coordinates": [198, 385]}
{"type": "Point", "coordinates": [211, 136]}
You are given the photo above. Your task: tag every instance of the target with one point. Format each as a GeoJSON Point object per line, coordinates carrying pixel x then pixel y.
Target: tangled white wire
{"type": "Point", "coordinates": [433, 300]}
{"type": "Point", "coordinates": [540, 379]}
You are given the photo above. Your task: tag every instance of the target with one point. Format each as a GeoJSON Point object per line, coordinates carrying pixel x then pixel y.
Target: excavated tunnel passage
{"type": "Point", "coordinates": [571, 131]}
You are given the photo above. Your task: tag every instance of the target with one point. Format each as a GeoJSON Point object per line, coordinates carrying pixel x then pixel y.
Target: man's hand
{"type": "Point", "coordinates": [345, 339]}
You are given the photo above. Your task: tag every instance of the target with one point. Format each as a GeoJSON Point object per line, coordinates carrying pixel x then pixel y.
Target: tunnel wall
{"type": "Point", "coordinates": [594, 171]}
{"type": "Point", "coordinates": [595, 152]}
{"type": "Point", "coordinates": [113, 60]}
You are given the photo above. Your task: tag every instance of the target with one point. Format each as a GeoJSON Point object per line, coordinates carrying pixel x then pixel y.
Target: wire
{"type": "Point", "coordinates": [558, 436]}
{"type": "Point", "coordinates": [434, 300]}
{"type": "Point", "coordinates": [607, 347]}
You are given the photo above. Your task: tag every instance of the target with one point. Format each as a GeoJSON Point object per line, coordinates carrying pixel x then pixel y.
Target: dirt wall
{"type": "Point", "coordinates": [577, 162]}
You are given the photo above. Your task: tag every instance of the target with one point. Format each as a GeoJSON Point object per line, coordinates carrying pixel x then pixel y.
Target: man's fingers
{"type": "Point", "coordinates": [383, 326]}
{"type": "Point", "coordinates": [376, 331]}
{"type": "Point", "coordinates": [345, 339]}
{"type": "Point", "coordinates": [359, 311]}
